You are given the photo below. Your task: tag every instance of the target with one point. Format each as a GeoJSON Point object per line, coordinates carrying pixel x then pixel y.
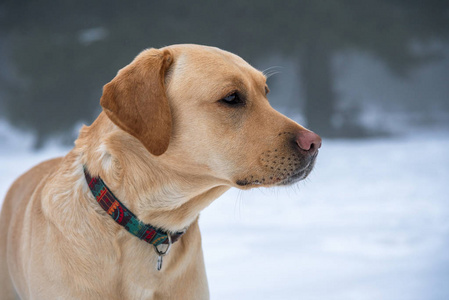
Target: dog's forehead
{"type": "Point", "coordinates": [210, 64]}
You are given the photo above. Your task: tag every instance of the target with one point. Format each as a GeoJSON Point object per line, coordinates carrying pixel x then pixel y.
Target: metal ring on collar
{"type": "Point", "coordinates": [162, 253]}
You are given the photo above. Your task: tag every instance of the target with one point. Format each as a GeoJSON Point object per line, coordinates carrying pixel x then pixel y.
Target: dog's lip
{"type": "Point", "coordinates": [298, 175]}
{"type": "Point", "coordinates": [301, 175]}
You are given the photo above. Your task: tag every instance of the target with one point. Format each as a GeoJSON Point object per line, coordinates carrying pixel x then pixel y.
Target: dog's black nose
{"type": "Point", "coordinates": [308, 141]}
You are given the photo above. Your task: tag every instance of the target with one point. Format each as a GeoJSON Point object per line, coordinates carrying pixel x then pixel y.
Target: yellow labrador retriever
{"type": "Point", "coordinates": [180, 126]}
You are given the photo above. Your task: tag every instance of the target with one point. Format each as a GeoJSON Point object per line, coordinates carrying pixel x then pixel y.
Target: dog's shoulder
{"type": "Point", "coordinates": [27, 182]}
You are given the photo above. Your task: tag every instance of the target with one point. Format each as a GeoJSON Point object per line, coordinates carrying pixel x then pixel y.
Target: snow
{"type": "Point", "coordinates": [371, 222]}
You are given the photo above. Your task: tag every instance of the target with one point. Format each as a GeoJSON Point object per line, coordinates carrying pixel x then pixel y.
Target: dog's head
{"type": "Point", "coordinates": [203, 110]}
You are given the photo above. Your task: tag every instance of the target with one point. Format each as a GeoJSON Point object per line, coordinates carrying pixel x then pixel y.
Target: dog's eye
{"type": "Point", "coordinates": [267, 90]}
{"type": "Point", "coordinates": [232, 100]}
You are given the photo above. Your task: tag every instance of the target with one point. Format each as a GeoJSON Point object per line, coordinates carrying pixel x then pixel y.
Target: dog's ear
{"type": "Point", "coordinates": [135, 100]}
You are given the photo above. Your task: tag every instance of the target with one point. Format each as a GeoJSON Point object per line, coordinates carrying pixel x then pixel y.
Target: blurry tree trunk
{"type": "Point", "coordinates": [316, 75]}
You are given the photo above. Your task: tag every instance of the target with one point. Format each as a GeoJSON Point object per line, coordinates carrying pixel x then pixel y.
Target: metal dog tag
{"type": "Point", "coordinates": [160, 253]}
{"type": "Point", "coordinates": [159, 263]}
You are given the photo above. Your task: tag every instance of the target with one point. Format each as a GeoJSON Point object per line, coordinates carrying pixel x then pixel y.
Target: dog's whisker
{"type": "Point", "coordinates": [270, 69]}
{"type": "Point", "coordinates": [238, 204]}
{"type": "Point", "coordinates": [268, 75]}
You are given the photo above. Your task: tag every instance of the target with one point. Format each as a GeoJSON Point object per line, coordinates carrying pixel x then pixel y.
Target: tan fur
{"type": "Point", "coordinates": [167, 147]}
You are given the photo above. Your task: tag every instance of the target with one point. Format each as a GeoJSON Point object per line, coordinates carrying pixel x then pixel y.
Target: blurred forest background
{"type": "Point", "coordinates": [344, 68]}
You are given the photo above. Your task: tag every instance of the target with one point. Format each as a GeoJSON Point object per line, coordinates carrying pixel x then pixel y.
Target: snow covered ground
{"type": "Point", "coordinates": [371, 222]}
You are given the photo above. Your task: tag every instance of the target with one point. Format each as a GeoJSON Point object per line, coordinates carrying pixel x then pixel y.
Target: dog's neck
{"type": "Point", "coordinates": [161, 194]}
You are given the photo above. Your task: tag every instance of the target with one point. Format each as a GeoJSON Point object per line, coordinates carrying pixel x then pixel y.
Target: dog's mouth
{"type": "Point", "coordinates": [282, 179]}
{"type": "Point", "coordinates": [300, 175]}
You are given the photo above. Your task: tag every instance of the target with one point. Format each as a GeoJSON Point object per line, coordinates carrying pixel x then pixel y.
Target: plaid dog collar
{"type": "Point", "coordinates": [124, 217]}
